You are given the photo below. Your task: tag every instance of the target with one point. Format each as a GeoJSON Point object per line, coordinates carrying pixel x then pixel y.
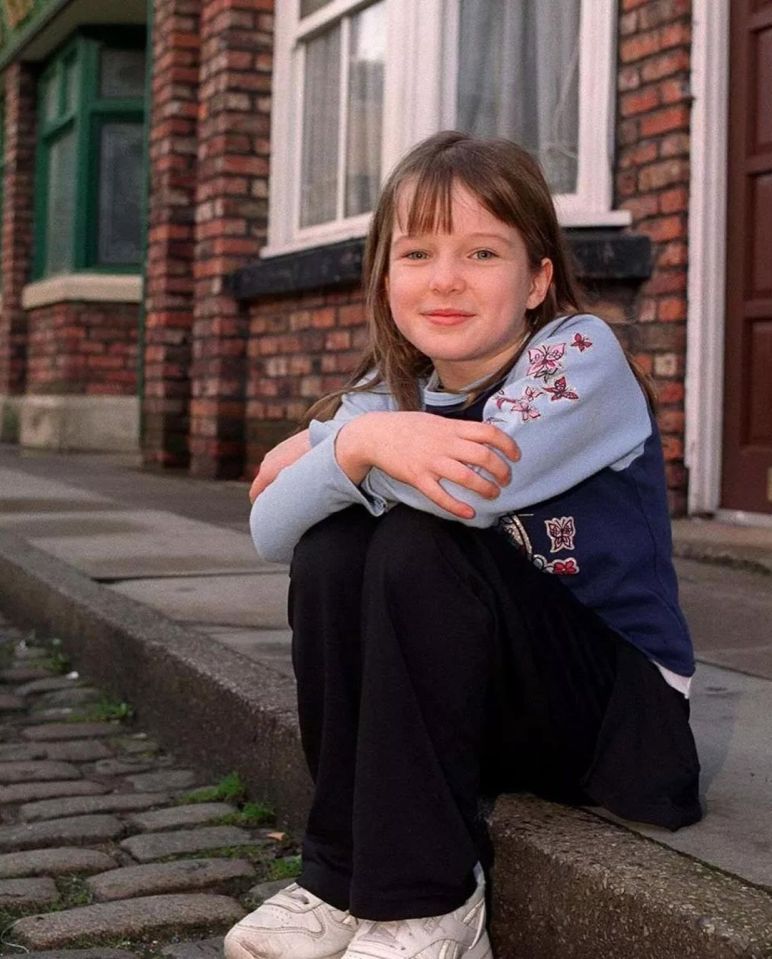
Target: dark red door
{"type": "Point", "coordinates": [747, 438]}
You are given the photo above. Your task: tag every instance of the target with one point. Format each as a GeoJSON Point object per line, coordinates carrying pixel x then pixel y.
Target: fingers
{"type": "Point", "coordinates": [258, 485]}
{"type": "Point", "coordinates": [465, 476]}
{"type": "Point", "coordinates": [492, 436]}
{"type": "Point", "coordinates": [433, 491]}
{"type": "Point", "coordinates": [475, 454]}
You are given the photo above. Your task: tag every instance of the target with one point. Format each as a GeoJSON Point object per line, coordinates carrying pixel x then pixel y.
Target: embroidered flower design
{"type": "Point", "coordinates": [521, 404]}
{"type": "Point", "coordinates": [581, 342]}
{"type": "Point", "coordinates": [561, 531]}
{"type": "Point", "coordinates": [545, 360]}
{"type": "Point", "coordinates": [563, 567]}
{"type": "Point", "coordinates": [561, 391]}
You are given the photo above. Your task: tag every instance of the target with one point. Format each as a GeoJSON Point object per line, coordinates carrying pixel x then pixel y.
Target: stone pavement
{"type": "Point", "coordinates": [180, 547]}
{"type": "Point", "coordinates": [103, 852]}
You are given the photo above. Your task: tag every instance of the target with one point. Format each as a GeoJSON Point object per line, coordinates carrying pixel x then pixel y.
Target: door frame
{"type": "Point", "coordinates": [706, 291]}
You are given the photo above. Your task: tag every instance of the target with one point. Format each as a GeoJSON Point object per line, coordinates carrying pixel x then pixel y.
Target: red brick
{"type": "Point", "coordinates": [664, 228]}
{"type": "Point", "coordinates": [640, 101]}
{"type": "Point", "coordinates": [663, 121]}
{"type": "Point", "coordinates": [675, 200]}
{"type": "Point", "coordinates": [666, 64]}
{"type": "Point", "coordinates": [671, 309]}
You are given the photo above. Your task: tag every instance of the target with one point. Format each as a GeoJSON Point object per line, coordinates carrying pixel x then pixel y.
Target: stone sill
{"type": "Point", "coordinates": [601, 255]}
{"type": "Point", "coordinates": [83, 288]}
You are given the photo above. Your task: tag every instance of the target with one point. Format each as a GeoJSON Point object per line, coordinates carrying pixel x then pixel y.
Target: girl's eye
{"type": "Point", "coordinates": [416, 255]}
{"type": "Point", "coordinates": [484, 255]}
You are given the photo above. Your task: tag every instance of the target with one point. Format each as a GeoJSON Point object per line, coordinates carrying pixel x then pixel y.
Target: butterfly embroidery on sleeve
{"type": "Point", "coordinates": [561, 531]}
{"type": "Point", "coordinates": [561, 390]}
{"type": "Point", "coordinates": [524, 405]}
{"type": "Point", "coordinates": [545, 360]}
{"type": "Point", "coordinates": [581, 342]}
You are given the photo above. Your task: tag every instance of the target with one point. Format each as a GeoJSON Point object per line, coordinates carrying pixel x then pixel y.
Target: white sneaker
{"type": "Point", "coordinates": [456, 935]}
{"type": "Point", "coordinates": [293, 924]}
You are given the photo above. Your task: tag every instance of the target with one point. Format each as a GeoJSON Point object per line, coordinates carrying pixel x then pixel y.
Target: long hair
{"type": "Point", "coordinates": [509, 183]}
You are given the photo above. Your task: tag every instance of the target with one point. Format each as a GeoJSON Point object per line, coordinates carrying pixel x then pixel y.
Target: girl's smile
{"type": "Point", "coordinates": [460, 297]}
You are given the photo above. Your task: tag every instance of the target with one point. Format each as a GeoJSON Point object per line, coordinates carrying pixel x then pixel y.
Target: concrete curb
{"type": "Point", "coordinates": [219, 709]}
{"type": "Point", "coordinates": [568, 884]}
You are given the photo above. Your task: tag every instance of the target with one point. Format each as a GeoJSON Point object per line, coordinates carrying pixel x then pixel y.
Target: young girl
{"type": "Point", "coordinates": [482, 596]}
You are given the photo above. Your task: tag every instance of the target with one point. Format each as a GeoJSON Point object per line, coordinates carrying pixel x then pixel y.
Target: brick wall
{"type": "Point", "coordinates": [171, 232]}
{"type": "Point", "coordinates": [82, 348]}
{"type": "Point", "coordinates": [299, 349]}
{"type": "Point", "coordinates": [652, 182]}
{"type": "Point", "coordinates": [302, 347]}
{"type": "Point", "coordinates": [231, 220]}
{"type": "Point", "coordinates": [17, 223]}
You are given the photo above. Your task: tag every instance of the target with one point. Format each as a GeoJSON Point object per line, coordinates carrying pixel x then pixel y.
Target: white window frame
{"type": "Point", "coordinates": [419, 99]}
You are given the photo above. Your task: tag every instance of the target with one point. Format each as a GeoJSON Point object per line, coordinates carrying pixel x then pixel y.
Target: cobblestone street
{"type": "Point", "coordinates": [108, 849]}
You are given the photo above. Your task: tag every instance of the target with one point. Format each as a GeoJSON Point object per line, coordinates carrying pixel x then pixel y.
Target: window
{"type": "Point", "coordinates": [90, 156]}
{"type": "Point", "coordinates": [357, 83]}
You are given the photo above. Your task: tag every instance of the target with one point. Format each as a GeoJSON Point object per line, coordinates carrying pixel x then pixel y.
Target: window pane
{"type": "Point", "coordinates": [120, 193]}
{"type": "Point", "coordinates": [367, 52]}
{"type": "Point", "coordinates": [311, 6]}
{"type": "Point", "coordinates": [61, 204]}
{"type": "Point", "coordinates": [70, 83]}
{"type": "Point", "coordinates": [518, 77]}
{"type": "Point", "coordinates": [122, 73]}
{"type": "Point", "coordinates": [321, 100]}
{"type": "Point", "coordinates": [50, 97]}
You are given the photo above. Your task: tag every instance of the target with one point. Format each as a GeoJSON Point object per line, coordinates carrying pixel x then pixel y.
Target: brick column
{"type": "Point", "coordinates": [17, 223]}
{"type": "Point", "coordinates": [652, 181]}
{"type": "Point", "coordinates": [171, 237]}
{"type": "Point", "coordinates": [231, 215]}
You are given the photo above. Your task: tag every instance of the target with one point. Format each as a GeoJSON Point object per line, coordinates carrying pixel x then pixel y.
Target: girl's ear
{"type": "Point", "coordinates": [540, 284]}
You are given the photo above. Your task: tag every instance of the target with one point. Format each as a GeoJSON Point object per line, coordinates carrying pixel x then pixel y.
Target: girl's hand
{"type": "Point", "coordinates": [421, 449]}
{"type": "Point", "coordinates": [281, 456]}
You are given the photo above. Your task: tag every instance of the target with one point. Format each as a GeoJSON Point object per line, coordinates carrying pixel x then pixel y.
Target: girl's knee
{"type": "Point", "coordinates": [334, 548]}
{"type": "Point", "coordinates": [408, 542]}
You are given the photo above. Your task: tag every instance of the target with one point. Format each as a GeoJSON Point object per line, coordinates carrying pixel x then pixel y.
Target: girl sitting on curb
{"type": "Point", "coordinates": [482, 595]}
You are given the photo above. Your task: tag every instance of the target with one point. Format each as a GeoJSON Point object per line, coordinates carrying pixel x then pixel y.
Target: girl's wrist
{"type": "Point", "coordinates": [351, 449]}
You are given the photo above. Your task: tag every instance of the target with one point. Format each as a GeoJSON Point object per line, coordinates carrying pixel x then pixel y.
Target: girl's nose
{"type": "Point", "coordinates": [446, 275]}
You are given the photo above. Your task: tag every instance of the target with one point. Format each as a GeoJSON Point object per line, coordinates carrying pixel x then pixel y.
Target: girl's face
{"type": "Point", "coordinates": [460, 297]}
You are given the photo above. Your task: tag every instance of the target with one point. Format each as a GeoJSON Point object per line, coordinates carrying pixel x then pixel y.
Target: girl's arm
{"type": "Point", "coordinates": [573, 407]}
{"type": "Point", "coordinates": [415, 447]}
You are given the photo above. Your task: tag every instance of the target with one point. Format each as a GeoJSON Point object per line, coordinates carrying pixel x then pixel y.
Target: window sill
{"type": "Point", "coordinates": [600, 253]}
{"type": "Point", "coordinates": [84, 288]}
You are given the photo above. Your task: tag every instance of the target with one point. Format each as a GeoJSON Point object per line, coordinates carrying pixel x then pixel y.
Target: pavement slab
{"type": "Point", "coordinates": [77, 750]}
{"type": "Point", "coordinates": [148, 915]}
{"type": "Point", "coordinates": [79, 954]}
{"type": "Point", "coordinates": [36, 771]}
{"type": "Point", "coordinates": [46, 685]}
{"type": "Point", "coordinates": [87, 805]}
{"type": "Point", "coordinates": [165, 779]}
{"type": "Point", "coordinates": [68, 698]}
{"type": "Point", "coordinates": [206, 949]}
{"type": "Point", "coordinates": [56, 832]}
{"type": "Point", "coordinates": [23, 674]}
{"type": "Point", "coordinates": [152, 846]}
{"type": "Point", "coordinates": [264, 890]}
{"type": "Point", "coordinates": [257, 600]}
{"type": "Point", "coordinates": [27, 792]}
{"type": "Point", "coordinates": [22, 752]}
{"type": "Point", "coordinates": [123, 767]}
{"type": "Point", "coordinates": [27, 893]}
{"type": "Point", "coordinates": [181, 876]}
{"type": "Point", "coordinates": [10, 703]}
{"type": "Point", "coordinates": [63, 860]}
{"type": "Point", "coordinates": [58, 731]}
{"type": "Point", "coordinates": [177, 817]}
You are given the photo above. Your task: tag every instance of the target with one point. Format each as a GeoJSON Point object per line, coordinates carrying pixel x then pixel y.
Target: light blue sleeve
{"type": "Point", "coordinates": [314, 486]}
{"type": "Point", "coordinates": [352, 405]}
{"type": "Point", "coordinates": [573, 406]}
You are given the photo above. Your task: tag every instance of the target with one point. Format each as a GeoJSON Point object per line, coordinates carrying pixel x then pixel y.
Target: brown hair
{"type": "Point", "coordinates": [510, 184]}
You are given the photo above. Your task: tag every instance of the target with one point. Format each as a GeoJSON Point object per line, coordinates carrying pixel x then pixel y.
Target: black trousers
{"type": "Point", "coordinates": [436, 665]}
